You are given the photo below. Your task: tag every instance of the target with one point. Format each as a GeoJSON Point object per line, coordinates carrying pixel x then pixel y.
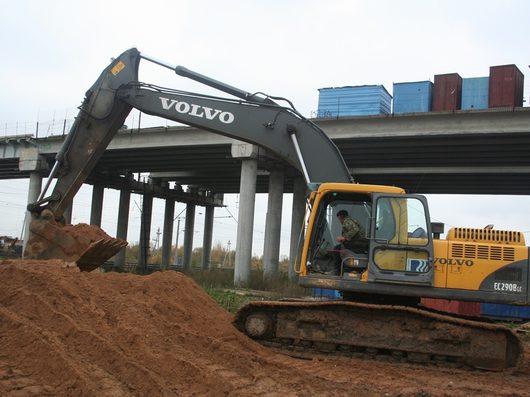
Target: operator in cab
{"type": "Point", "coordinates": [352, 238]}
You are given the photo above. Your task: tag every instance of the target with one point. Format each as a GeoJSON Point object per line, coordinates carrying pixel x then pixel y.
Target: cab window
{"type": "Point", "coordinates": [401, 221]}
{"type": "Point", "coordinates": [400, 232]}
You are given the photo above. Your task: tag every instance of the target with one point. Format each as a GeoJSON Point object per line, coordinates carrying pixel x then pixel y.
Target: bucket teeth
{"type": "Point", "coordinates": [98, 252]}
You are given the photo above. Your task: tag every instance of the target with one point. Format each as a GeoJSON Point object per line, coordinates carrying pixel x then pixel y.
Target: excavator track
{"type": "Point", "coordinates": [306, 329]}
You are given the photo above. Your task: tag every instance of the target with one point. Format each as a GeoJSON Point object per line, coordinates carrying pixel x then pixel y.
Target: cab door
{"type": "Point", "coordinates": [401, 248]}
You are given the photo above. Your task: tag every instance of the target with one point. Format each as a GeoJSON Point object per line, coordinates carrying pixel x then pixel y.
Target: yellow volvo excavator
{"type": "Point", "coordinates": [401, 260]}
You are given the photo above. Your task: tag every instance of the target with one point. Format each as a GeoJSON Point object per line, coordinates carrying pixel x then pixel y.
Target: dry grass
{"type": "Point", "coordinates": [224, 278]}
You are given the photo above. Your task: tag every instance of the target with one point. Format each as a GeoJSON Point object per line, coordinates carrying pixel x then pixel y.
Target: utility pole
{"type": "Point", "coordinates": [157, 241]}
{"type": "Point", "coordinates": [177, 218]}
{"type": "Point", "coordinates": [177, 244]}
{"type": "Point", "coordinates": [227, 254]}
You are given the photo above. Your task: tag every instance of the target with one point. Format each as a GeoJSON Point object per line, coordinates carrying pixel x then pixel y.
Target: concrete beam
{"type": "Point", "coordinates": [11, 146]}
{"type": "Point", "coordinates": [474, 121]}
{"type": "Point", "coordinates": [515, 169]}
{"type": "Point", "coordinates": [498, 121]}
{"type": "Point", "coordinates": [158, 190]}
{"type": "Point", "coordinates": [31, 160]}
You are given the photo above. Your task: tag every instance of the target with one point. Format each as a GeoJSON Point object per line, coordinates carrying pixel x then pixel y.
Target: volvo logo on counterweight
{"type": "Point", "coordinates": [197, 110]}
{"type": "Point", "coordinates": [453, 261]}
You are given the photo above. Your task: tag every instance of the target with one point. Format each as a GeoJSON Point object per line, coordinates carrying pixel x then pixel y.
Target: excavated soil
{"type": "Point", "coordinates": [85, 234]}
{"type": "Point", "coordinates": [49, 239]}
{"type": "Point", "coordinates": [66, 333]}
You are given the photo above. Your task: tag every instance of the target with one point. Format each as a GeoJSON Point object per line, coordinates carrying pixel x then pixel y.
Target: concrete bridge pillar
{"type": "Point", "coordinates": [297, 223]}
{"type": "Point", "coordinates": [167, 237]}
{"type": "Point", "coordinates": [207, 237]}
{"type": "Point", "coordinates": [35, 187]}
{"type": "Point", "coordinates": [247, 199]}
{"type": "Point", "coordinates": [273, 223]}
{"type": "Point", "coordinates": [188, 236]}
{"type": "Point", "coordinates": [30, 160]}
{"type": "Point", "coordinates": [96, 207]}
{"type": "Point", "coordinates": [145, 231]}
{"type": "Point", "coordinates": [123, 224]}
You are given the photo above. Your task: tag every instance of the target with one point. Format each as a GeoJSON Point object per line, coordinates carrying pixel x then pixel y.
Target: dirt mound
{"type": "Point", "coordinates": [86, 234]}
{"type": "Point", "coordinates": [67, 333]}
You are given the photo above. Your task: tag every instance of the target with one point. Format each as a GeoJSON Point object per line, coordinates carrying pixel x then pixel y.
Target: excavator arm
{"type": "Point", "coordinates": [100, 116]}
{"type": "Point", "coordinates": [252, 118]}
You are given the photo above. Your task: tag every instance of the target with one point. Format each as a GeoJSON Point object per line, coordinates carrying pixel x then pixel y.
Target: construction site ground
{"type": "Point", "coordinates": [67, 333]}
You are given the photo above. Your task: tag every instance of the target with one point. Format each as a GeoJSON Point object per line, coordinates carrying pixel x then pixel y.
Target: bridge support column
{"type": "Point", "coordinates": [273, 223]}
{"type": "Point", "coordinates": [145, 231]}
{"type": "Point", "coordinates": [96, 207]}
{"type": "Point", "coordinates": [188, 236]}
{"type": "Point", "coordinates": [123, 224]}
{"type": "Point", "coordinates": [297, 223]}
{"type": "Point", "coordinates": [247, 199]}
{"type": "Point", "coordinates": [167, 236]}
{"type": "Point", "coordinates": [30, 160]}
{"type": "Point", "coordinates": [35, 187]}
{"type": "Point", "coordinates": [207, 237]}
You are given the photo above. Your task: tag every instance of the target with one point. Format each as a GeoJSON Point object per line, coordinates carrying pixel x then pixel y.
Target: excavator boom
{"type": "Point", "coordinates": [252, 118]}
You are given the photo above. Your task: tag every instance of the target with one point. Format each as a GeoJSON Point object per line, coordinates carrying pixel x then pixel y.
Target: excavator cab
{"type": "Point", "coordinates": [326, 255]}
{"type": "Point", "coordinates": [395, 242]}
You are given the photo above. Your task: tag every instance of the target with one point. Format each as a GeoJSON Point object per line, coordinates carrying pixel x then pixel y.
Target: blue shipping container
{"type": "Point", "coordinates": [475, 92]}
{"type": "Point", "coordinates": [353, 101]}
{"type": "Point", "coordinates": [507, 312]}
{"type": "Point", "coordinates": [326, 293]}
{"type": "Point", "coordinates": [413, 97]}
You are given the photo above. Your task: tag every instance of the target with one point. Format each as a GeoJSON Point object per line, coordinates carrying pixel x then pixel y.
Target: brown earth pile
{"type": "Point", "coordinates": [85, 234]}
{"type": "Point", "coordinates": [66, 333]}
{"type": "Point", "coordinates": [50, 239]}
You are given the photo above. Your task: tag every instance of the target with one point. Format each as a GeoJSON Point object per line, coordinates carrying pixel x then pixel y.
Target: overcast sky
{"type": "Point", "coordinates": [52, 51]}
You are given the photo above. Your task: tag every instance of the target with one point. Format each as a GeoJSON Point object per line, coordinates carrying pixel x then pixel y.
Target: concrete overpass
{"type": "Point", "coordinates": [479, 152]}
{"type": "Point", "coordinates": [463, 152]}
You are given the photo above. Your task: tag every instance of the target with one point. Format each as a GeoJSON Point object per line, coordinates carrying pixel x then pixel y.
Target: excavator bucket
{"type": "Point", "coordinates": [87, 245]}
{"type": "Point", "coordinates": [98, 252]}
